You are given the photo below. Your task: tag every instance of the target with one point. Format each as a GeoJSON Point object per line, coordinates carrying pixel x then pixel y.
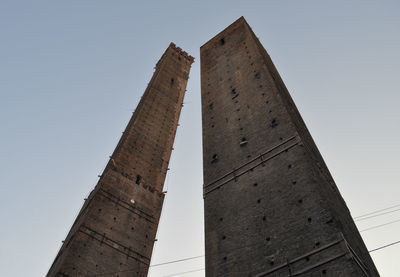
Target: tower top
{"type": "Point", "coordinates": [176, 50]}
{"type": "Point", "coordinates": [240, 21]}
{"type": "Point", "coordinates": [179, 51]}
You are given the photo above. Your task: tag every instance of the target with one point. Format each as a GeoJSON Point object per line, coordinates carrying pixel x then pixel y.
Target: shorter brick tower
{"type": "Point", "coordinates": [271, 205]}
{"type": "Point", "coordinates": [115, 230]}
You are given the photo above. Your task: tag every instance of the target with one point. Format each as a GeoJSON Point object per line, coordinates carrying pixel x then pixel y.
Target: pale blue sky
{"type": "Point", "coordinates": [72, 72]}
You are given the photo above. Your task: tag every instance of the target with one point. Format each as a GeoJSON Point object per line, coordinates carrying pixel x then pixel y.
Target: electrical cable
{"type": "Point", "coordinates": [381, 225]}
{"type": "Point", "coordinates": [176, 261]}
{"type": "Point", "coordinates": [180, 273]}
{"type": "Point", "coordinates": [387, 245]}
{"type": "Point", "coordinates": [374, 212]}
{"type": "Point", "coordinates": [372, 216]}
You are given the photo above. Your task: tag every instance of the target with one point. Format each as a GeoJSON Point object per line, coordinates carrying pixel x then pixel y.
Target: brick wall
{"type": "Point", "coordinates": [271, 205]}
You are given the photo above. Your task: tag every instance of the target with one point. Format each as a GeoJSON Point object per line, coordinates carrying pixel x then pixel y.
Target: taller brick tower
{"type": "Point", "coordinates": [271, 205]}
{"type": "Point", "coordinates": [115, 230]}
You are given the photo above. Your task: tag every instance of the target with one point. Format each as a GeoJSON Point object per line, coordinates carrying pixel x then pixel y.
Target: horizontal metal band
{"type": "Point", "coordinates": [127, 205]}
{"type": "Point", "coordinates": [330, 259]}
{"type": "Point", "coordinates": [347, 250]}
{"type": "Point", "coordinates": [250, 165]}
{"type": "Point", "coordinates": [102, 238]}
{"type": "Point", "coordinates": [315, 251]}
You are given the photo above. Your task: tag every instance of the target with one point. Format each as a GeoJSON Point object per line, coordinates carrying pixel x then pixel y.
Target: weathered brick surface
{"type": "Point", "coordinates": [110, 234]}
{"type": "Point", "coordinates": [268, 195]}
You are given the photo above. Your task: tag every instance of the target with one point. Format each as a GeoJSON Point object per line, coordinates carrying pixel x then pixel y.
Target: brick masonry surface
{"type": "Point", "coordinates": [271, 205]}
{"type": "Point", "coordinates": [111, 235]}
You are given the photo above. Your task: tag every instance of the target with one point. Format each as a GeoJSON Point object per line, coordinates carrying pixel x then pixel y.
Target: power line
{"type": "Point", "coordinates": [176, 261]}
{"type": "Point", "coordinates": [165, 263]}
{"type": "Point", "coordinates": [374, 212]}
{"type": "Point", "coordinates": [180, 273]}
{"type": "Point", "coordinates": [368, 217]}
{"type": "Point", "coordinates": [377, 226]}
{"type": "Point", "coordinates": [387, 245]}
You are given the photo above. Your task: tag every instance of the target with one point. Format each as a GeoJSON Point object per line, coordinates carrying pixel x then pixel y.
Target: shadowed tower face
{"type": "Point", "coordinates": [271, 205]}
{"type": "Point", "coordinates": [115, 230]}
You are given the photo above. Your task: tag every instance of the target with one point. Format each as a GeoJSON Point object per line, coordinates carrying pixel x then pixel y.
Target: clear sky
{"type": "Point", "coordinates": [72, 72]}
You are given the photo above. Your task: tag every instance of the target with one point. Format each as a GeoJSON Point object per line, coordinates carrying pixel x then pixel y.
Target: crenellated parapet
{"type": "Point", "coordinates": [176, 51]}
{"type": "Point", "coordinates": [179, 51]}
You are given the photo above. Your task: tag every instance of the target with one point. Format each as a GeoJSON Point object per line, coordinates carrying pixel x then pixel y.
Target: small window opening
{"type": "Point", "coordinates": [172, 81]}
{"type": "Point", "coordinates": [222, 41]}
{"type": "Point", "coordinates": [138, 179]}
{"type": "Point", "coordinates": [214, 158]}
{"type": "Point", "coordinates": [274, 123]}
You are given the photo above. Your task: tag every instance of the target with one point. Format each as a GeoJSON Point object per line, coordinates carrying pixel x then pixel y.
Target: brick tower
{"type": "Point", "coordinates": [114, 235]}
{"type": "Point", "coordinates": [271, 205]}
